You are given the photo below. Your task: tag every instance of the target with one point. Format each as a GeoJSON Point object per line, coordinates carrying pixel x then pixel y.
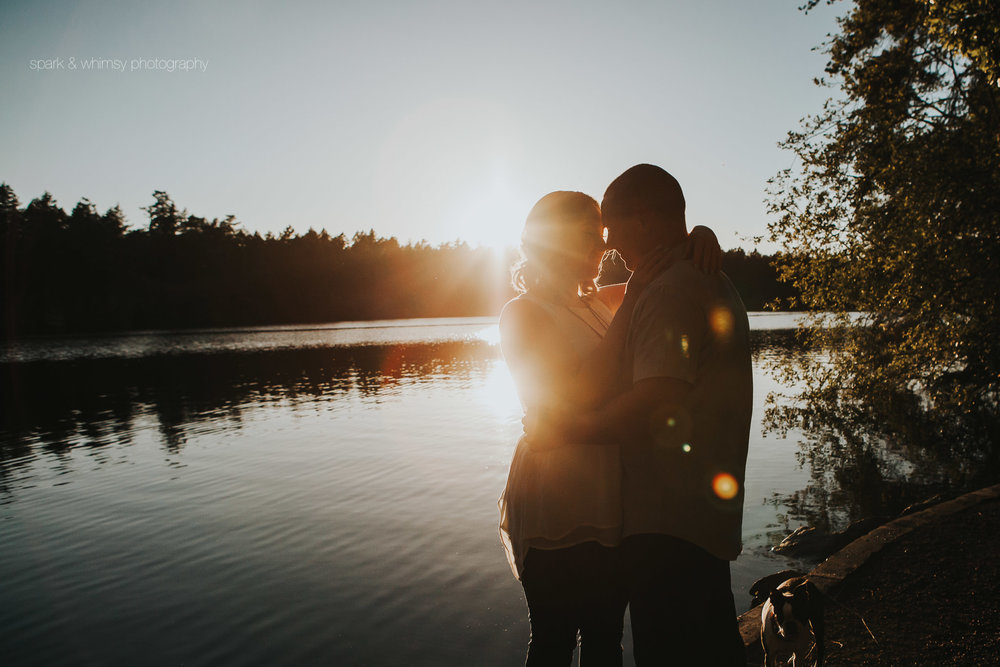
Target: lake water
{"type": "Point", "coordinates": [319, 495]}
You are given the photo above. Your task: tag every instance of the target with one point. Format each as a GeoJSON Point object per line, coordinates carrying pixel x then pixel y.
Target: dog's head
{"type": "Point", "coordinates": [790, 605]}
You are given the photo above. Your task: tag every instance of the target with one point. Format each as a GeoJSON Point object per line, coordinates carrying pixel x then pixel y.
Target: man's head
{"type": "Point", "coordinates": [643, 209]}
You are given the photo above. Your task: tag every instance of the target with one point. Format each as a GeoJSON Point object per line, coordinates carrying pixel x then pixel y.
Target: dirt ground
{"type": "Point", "coordinates": [931, 598]}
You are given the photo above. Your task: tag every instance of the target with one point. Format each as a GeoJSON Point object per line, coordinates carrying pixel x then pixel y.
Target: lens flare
{"type": "Point", "coordinates": [725, 486]}
{"type": "Point", "coordinates": [721, 321]}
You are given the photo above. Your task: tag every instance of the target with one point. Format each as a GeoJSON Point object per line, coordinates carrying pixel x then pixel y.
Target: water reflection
{"type": "Point", "coordinates": [62, 399]}
{"type": "Point", "coordinates": [55, 406]}
{"type": "Point", "coordinates": [365, 475]}
{"type": "Point", "coordinates": [869, 459]}
{"type": "Point", "coordinates": [321, 497]}
{"type": "Point", "coordinates": [247, 339]}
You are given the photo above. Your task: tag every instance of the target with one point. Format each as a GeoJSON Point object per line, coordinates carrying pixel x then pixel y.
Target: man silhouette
{"type": "Point", "coordinates": [683, 424]}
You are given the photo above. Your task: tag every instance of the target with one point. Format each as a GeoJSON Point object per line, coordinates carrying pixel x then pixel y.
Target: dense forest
{"type": "Point", "coordinates": [85, 271]}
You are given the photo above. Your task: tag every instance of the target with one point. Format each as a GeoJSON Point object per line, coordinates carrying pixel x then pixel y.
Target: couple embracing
{"type": "Point", "coordinates": [627, 487]}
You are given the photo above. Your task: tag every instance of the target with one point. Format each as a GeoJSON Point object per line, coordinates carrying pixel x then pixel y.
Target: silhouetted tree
{"type": "Point", "coordinates": [9, 213]}
{"type": "Point", "coordinates": [164, 217]}
{"type": "Point", "coordinates": [894, 209]}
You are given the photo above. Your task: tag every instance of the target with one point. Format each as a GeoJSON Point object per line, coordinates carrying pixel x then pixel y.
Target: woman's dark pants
{"type": "Point", "coordinates": [571, 589]}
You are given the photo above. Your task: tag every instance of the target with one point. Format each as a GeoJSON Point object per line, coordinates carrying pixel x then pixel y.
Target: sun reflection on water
{"type": "Point", "coordinates": [490, 334]}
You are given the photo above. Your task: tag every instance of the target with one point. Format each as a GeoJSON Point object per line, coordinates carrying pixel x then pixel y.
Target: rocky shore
{"type": "Point", "coordinates": [923, 589]}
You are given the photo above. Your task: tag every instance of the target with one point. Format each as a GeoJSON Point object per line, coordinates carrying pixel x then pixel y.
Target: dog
{"type": "Point", "coordinates": [791, 621]}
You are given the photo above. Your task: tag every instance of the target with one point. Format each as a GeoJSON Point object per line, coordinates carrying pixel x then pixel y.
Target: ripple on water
{"type": "Point", "coordinates": [264, 519]}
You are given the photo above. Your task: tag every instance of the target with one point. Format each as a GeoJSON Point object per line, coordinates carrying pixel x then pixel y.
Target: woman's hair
{"type": "Point", "coordinates": [546, 236]}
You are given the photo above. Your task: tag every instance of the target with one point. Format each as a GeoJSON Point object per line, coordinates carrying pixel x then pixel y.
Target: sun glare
{"type": "Point", "coordinates": [499, 393]}
{"type": "Point", "coordinates": [455, 157]}
{"type": "Point", "coordinates": [491, 217]}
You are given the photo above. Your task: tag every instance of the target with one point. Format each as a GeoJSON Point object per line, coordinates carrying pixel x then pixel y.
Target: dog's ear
{"type": "Point", "coordinates": [814, 593]}
{"type": "Point", "coordinates": [815, 604]}
{"type": "Point", "coordinates": [777, 601]}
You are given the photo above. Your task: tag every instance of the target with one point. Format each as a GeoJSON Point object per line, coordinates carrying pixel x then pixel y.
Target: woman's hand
{"type": "Point", "coordinates": [704, 250]}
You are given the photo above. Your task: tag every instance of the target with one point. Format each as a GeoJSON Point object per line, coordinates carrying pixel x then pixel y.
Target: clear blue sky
{"type": "Point", "coordinates": [421, 120]}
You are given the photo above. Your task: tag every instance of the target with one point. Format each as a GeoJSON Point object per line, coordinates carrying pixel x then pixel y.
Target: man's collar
{"type": "Point", "coordinates": [672, 254]}
{"type": "Point", "coordinates": [678, 251]}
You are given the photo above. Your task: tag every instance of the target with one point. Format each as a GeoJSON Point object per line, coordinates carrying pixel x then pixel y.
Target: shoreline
{"type": "Point", "coordinates": [860, 560]}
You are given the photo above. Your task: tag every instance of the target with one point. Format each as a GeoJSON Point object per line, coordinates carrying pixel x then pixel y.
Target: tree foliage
{"type": "Point", "coordinates": [893, 210]}
{"type": "Point", "coordinates": [87, 271]}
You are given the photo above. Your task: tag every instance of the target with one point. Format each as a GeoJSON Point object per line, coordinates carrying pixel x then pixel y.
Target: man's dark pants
{"type": "Point", "coordinates": [681, 604]}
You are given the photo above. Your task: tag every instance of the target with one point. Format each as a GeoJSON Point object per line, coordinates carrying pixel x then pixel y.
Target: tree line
{"type": "Point", "coordinates": [86, 271]}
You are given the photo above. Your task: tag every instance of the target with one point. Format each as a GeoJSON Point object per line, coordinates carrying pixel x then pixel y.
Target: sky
{"type": "Point", "coordinates": [436, 121]}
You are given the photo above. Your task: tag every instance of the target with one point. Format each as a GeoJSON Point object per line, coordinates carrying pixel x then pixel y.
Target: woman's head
{"type": "Point", "coordinates": [562, 243]}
